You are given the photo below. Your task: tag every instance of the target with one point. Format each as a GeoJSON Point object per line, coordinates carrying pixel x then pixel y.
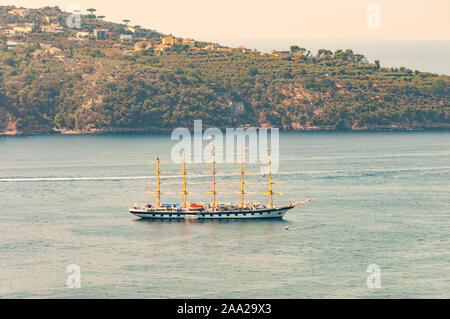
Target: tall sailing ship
{"type": "Point", "coordinates": [213, 210]}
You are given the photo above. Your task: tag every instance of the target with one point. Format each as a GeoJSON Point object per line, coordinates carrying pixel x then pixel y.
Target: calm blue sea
{"type": "Point", "coordinates": [377, 198]}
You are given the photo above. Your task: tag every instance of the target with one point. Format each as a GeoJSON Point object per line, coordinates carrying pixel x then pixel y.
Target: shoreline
{"type": "Point", "coordinates": [132, 131]}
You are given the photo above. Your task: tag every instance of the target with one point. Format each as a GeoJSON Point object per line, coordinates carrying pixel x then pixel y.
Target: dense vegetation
{"type": "Point", "coordinates": [105, 85]}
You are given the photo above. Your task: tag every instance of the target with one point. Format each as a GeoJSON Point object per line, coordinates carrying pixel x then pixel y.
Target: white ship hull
{"type": "Point", "coordinates": [247, 214]}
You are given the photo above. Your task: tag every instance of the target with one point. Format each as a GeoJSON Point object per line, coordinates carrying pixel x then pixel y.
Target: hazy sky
{"type": "Point", "coordinates": [206, 19]}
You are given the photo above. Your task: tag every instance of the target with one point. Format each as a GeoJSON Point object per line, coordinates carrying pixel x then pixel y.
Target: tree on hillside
{"type": "Point", "coordinates": [377, 64]}
{"type": "Point", "coordinates": [91, 11]}
{"type": "Point", "coordinates": [253, 71]}
{"type": "Point", "coordinates": [439, 86]}
{"type": "Point", "coordinates": [324, 52]}
{"type": "Point", "coordinates": [101, 17]}
{"type": "Point", "coordinates": [126, 21]}
{"type": "Point", "coordinates": [295, 48]}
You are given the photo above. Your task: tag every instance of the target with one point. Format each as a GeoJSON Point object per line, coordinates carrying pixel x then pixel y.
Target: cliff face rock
{"type": "Point", "coordinates": [7, 122]}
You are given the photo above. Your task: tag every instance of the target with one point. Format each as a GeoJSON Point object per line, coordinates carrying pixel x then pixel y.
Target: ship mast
{"type": "Point", "coordinates": [242, 182]}
{"type": "Point", "coordinates": [184, 180]}
{"type": "Point", "coordinates": [270, 178]}
{"type": "Point", "coordinates": [158, 190]}
{"type": "Point", "coordinates": [158, 183]}
{"type": "Point", "coordinates": [213, 176]}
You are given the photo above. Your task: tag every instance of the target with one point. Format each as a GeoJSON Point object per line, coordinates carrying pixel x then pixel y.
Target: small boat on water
{"type": "Point", "coordinates": [214, 210]}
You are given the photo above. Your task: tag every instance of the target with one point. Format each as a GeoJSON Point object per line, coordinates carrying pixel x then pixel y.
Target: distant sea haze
{"type": "Point", "coordinates": [423, 55]}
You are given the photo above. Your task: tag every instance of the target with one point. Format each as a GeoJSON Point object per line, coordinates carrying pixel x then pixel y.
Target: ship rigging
{"type": "Point", "coordinates": [213, 210]}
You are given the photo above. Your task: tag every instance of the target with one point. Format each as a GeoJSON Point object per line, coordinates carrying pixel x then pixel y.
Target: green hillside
{"type": "Point", "coordinates": [53, 78]}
